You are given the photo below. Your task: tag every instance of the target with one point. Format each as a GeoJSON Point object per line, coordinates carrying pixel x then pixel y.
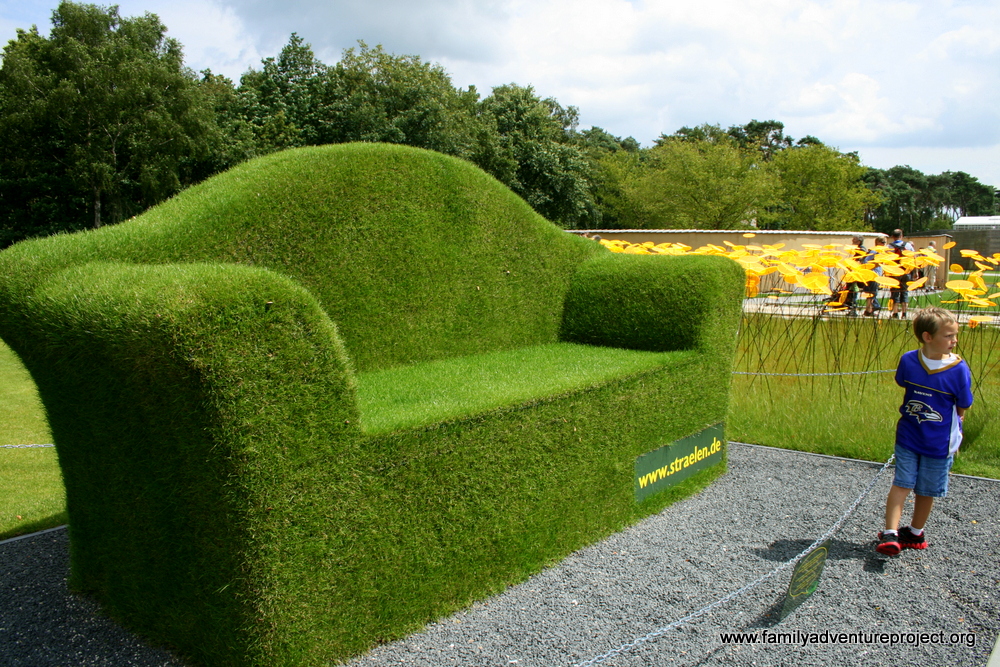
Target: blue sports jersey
{"type": "Point", "coordinates": [928, 422]}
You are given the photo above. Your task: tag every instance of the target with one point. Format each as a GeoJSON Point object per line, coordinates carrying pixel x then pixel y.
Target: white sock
{"type": "Point", "coordinates": [889, 531]}
{"type": "Point", "coordinates": [917, 532]}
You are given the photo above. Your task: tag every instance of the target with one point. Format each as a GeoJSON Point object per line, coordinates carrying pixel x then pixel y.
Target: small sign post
{"type": "Point", "coordinates": [805, 578]}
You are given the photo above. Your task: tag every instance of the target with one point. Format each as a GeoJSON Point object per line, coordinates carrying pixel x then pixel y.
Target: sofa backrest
{"type": "Point", "coordinates": [413, 254]}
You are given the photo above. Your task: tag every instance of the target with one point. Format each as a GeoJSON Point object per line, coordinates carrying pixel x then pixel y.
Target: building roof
{"type": "Point", "coordinates": [978, 222]}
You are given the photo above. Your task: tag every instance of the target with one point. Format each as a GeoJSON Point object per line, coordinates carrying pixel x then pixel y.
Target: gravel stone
{"type": "Point", "coordinates": [768, 507]}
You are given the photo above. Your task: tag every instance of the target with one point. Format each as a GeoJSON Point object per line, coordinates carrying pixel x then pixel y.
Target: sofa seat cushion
{"type": "Point", "coordinates": [445, 390]}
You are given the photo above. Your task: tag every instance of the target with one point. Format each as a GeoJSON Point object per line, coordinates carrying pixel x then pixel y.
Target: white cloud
{"type": "Point", "coordinates": [431, 28]}
{"type": "Point", "coordinates": [213, 35]}
{"type": "Point", "coordinates": [881, 75]}
{"type": "Point", "coordinates": [856, 108]}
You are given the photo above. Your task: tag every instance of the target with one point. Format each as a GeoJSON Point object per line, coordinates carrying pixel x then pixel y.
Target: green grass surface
{"type": "Point", "coordinates": [22, 418]}
{"type": "Point", "coordinates": [852, 416]}
{"type": "Point", "coordinates": [410, 396]}
{"type": "Point", "coordinates": [841, 416]}
{"type": "Point", "coordinates": [32, 495]}
{"type": "Point", "coordinates": [414, 255]}
{"type": "Point", "coordinates": [199, 365]}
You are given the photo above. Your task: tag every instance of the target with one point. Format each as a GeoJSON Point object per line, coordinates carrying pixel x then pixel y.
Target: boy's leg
{"type": "Point", "coordinates": [888, 539]}
{"type": "Point", "coordinates": [894, 507]}
{"type": "Point", "coordinates": [931, 483]}
{"type": "Point", "coordinates": [921, 510]}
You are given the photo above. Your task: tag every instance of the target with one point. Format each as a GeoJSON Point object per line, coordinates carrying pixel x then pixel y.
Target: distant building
{"type": "Point", "coordinates": [976, 232]}
{"type": "Point", "coordinates": [978, 223]}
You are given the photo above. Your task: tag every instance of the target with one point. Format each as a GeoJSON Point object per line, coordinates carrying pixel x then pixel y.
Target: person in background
{"type": "Point", "coordinates": [899, 296]}
{"type": "Point", "coordinates": [931, 271]}
{"type": "Point", "coordinates": [873, 305]}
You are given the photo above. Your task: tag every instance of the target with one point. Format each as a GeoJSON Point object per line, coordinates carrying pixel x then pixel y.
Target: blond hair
{"type": "Point", "coordinates": [930, 320]}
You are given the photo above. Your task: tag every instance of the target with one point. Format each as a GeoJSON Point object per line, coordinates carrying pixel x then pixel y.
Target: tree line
{"type": "Point", "coordinates": [102, 120]}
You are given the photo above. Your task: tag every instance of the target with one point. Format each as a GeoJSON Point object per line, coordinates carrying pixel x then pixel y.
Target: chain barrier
{"type": "Point", "coordinates": [23, 446]}
{"type": "Point", "coordinates": [625, 648]}
{"type": "Point", "coordinates": [806, 375]}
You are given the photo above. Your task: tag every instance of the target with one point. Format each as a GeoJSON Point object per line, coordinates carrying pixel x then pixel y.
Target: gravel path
{"type": "Point", "coordinates": [765, 510]}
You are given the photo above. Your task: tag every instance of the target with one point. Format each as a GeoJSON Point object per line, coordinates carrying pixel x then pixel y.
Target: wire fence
{"type": "Point", "coordinates": [810, 375]}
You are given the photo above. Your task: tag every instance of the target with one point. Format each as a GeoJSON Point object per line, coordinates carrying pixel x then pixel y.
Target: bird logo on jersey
{"type": "Point", "coordinates": [922, 412]}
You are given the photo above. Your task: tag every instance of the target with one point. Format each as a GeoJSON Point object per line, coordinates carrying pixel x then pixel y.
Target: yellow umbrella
{"type": "Point", "coordinates": [894, 270]}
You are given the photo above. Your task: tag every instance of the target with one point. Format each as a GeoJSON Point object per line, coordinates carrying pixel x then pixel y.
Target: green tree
{"type": "Point", "coordinates": [905, 199]}
{"type": "Point", "coordinates": [101, 114]}
{"type": "Point", "coordinates": [235, 138]}
{"type": "Point", "coordinates": [537, 157]}
{"type": "Point", "coordinates": [766, 136]}
{"type": "Point", "coordinates": [690, 184]}
{"type": "Point", "coordinates": [819, 188]}
{"type": "Point", "coordinates": [277, 103]}
{"type": "Point", "coordinates": [701, 133]}
{"type": "Point", "coordinates": [965, 195]}
{"type": "Point", "coordinates": [372, 95]}
{"type": "Point", "coordinates": [598, 142]}
{"type": "Point", "coordinates": [614, 180]}
{"type": "Point", "coordinates": [610, 158]}
{"type": "Point", "coordinates": [369, 95]}
{"type": "Point", "coordinates": [914, 201]}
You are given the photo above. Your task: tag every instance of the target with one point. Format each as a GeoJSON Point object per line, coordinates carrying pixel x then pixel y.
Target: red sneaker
{"type": "Point", "coordinates": [907, 540]}
{"type": "Point", "coordinates": [888, 544]}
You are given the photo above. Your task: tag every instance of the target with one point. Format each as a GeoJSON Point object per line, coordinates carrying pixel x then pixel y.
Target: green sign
{"type": "Point", "coordinates": [664, 467]}
{"type": "Point", "coordinates": [805, 578]}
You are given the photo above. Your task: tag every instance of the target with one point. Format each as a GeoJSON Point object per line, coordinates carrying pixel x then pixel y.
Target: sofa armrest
{"type": "Point", "coordinates": [655, 303]}
{"type": "Point", "coordinates": [194, 409]}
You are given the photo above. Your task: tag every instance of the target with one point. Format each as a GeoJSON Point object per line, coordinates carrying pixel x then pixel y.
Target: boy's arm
{"type": "Point", "coordinates": [899, 373]}
{"type": "Point", "coordinates": [964, 399]}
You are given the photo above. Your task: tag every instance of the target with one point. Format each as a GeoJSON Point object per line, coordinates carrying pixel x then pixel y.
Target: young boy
{"type": "Point", "coordinates": [938, 388]}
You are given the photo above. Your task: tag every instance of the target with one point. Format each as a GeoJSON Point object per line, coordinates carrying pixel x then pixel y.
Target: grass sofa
{"type": "Point", "coordinates": [323, 398]}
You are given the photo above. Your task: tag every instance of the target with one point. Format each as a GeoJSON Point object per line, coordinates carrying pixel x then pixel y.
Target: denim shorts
{"type": "Point", "coordinates": [925, 475]}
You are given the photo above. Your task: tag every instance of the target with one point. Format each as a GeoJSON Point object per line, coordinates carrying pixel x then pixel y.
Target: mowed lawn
{"type": "Point", "coordinates": [784, 403]}
{"type": "Point", "coordinates": [31, 489]}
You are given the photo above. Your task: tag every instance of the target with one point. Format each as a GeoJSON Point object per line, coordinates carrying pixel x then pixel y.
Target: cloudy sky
{"type": "Point", "coordinates": [900, 81]}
